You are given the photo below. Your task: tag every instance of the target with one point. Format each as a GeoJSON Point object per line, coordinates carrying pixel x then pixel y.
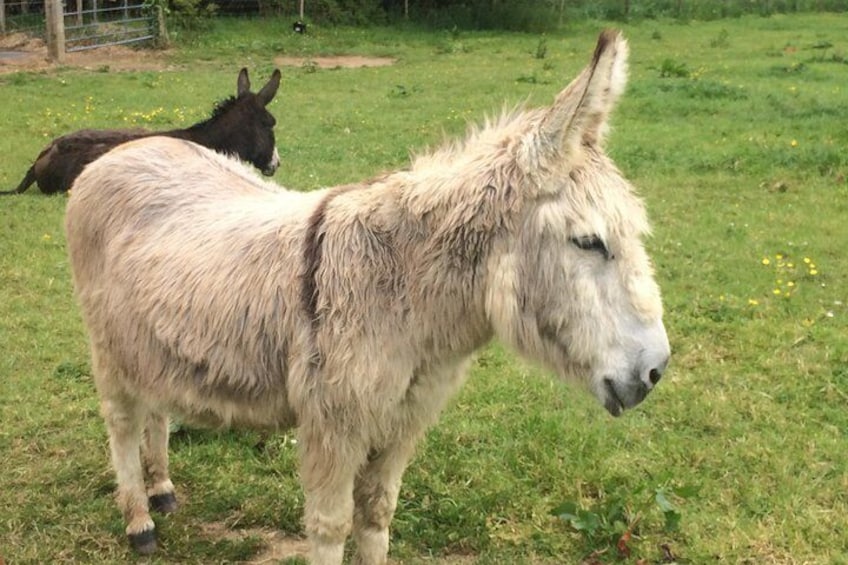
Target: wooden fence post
{"type": "Point", "coordinates": [161, 34]}
{"type": "Point", "coordinates": [55, 30]}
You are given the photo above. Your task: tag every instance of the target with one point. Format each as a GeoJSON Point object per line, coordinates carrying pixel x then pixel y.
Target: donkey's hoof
{"type": "Point", "coordinates": [164, 503]}
{"type": "Point", "coordinates": [144, 543]}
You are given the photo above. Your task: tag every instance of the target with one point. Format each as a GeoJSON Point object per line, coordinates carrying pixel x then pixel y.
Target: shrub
{"type": "Point", "coordinates": [188, 15]}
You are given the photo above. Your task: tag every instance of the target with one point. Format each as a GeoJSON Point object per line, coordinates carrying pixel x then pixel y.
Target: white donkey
{"type": "Point", "coordinates": [352, 312]}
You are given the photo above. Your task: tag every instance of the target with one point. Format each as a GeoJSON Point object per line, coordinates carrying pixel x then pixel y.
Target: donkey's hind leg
{"type": "Point", "coordinates": [125, 417]}
{"type": "Point", "coordinates": [160, 491]}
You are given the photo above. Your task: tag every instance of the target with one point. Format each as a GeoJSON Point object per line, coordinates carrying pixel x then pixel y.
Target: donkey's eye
{"type": "Point", "coordinates": [592, 243]}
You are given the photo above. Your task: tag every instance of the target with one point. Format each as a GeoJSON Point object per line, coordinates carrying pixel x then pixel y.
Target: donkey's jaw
{"type": "Point", "coordinates": [272, 167]}
{"type": "Point", "coordinates": [618, 397]}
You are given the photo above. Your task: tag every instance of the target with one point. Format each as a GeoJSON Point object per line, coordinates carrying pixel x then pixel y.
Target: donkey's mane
{"type": "Point", "coordinates": [219, 109]}
{"type": "Point", "coordinates": [510, 123]}
{"type": "Point", "coordinates": [482, 158]}
{"type": "Point", "coordinates": [455, 152]}
{"type": "Point", "coordinates": [222, 106]}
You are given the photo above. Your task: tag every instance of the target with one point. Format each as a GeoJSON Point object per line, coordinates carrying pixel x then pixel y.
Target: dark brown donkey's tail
{"type": "Point", "coordinates": [25, 184]}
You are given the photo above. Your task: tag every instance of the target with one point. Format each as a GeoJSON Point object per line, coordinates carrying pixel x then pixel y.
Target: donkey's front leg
{"type": "Point", "coordinates": [378, 481]}
{"type": "Point", "coordinates": [375, 496]}
{"type": "Point", "coordinates": [328, 468]}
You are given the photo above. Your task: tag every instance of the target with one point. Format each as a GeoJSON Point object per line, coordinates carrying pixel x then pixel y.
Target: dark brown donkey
{"type": "Point", "coordinates": [239, 126]}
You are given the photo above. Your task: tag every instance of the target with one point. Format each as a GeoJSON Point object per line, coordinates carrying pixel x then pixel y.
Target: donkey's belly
{"type": "Point", "coordinates": [215, 397]}
{"type": "Point", "coordinates": [219, 409]}
{"type": "Point", "coordinates": [220, 413]}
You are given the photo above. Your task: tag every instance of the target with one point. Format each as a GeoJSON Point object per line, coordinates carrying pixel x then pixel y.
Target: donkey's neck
{"type": "Point", "coordinates": [203, 133]}
{"type": "Point", "coordinates": [439, 231]}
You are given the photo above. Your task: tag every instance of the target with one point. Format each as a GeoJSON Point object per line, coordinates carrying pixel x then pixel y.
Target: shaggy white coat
{"type": "Point", "coordinates": [352, 312]}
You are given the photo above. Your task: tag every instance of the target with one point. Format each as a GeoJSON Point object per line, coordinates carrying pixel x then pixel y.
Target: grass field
{"type": "Point", "coordinates": [734, 132]}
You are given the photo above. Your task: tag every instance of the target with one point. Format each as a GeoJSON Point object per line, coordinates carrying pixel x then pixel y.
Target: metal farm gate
{"type": "Point", "coordinates": [21, 17]}
{"type": "Point", "coordinates": [76, 25]}
{"type": "Point", "coordinates": [95, 23]}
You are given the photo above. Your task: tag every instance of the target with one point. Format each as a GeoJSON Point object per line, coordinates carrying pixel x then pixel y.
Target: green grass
{"type": "Point", "coordinates": [733, 131]}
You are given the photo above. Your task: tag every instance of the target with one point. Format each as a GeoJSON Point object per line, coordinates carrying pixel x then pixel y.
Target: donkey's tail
{"type": "Point", "coordinates": [29, 178]}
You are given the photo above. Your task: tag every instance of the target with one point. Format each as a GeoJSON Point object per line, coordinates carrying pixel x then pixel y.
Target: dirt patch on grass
{"type": "Point", "coordinates": [280, 546]}
{"type": "Point", "coordinates": [22, 52]}
{"type": "Point", "coordinates": [335, 62]}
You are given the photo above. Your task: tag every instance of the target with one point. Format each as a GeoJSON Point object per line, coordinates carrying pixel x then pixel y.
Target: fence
{"type": "Point", "coordinates": [21, 16]}
{"type": "Point", "coordinates": [94, 23]}
{"type": "Point", "coordinates": [77, 25]}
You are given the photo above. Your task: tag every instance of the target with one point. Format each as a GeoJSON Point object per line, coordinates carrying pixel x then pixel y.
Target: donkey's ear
{"type": "Point", "coordinates": [243, 85]}
{"type": "Point", "coordinates": [270, 90]}
{"type": "Point", "coordinates": [579, 114]}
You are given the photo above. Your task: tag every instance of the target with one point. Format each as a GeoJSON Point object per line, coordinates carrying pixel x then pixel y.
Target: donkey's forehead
{"type": "Point", "coordinates": [592, 198]}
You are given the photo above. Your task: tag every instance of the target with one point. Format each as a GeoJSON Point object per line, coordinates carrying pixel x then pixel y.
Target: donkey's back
{"type": "Point", "coordinates": [64, 158]}
{"type": "Point", "coordinates": [169, 242]}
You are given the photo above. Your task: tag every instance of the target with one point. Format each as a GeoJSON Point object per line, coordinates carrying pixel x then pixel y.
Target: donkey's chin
{"type": "Point", "coordinates": [272, 165]}
{"type": "Point", "coordinates": [618, 397]}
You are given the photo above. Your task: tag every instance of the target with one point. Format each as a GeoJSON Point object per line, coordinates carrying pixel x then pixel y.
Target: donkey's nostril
{"type": "Point", "coordinates": [655, 375]}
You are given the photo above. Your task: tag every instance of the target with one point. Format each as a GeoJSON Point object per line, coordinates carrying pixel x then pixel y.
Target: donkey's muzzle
{"type": "Point", "coordinates": [620, 396]}
{"type": "Point", "coordinates": [272, 165]}
{"type": "Point", "coordinates": [624, 391]}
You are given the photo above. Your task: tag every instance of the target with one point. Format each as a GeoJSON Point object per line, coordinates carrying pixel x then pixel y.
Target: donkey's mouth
{"type": "Point", "coordinates": [619, 396]}
{"type": "Point", "coordinates": [272, 165]}
{"type": "Point", "coordinates": [612, 402]}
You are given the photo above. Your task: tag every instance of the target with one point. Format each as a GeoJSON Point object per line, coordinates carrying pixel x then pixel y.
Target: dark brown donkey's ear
{"type": "Point", "coordinates": [270, 90]}
{"type": "Point", "coordinates": [243, 85]}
